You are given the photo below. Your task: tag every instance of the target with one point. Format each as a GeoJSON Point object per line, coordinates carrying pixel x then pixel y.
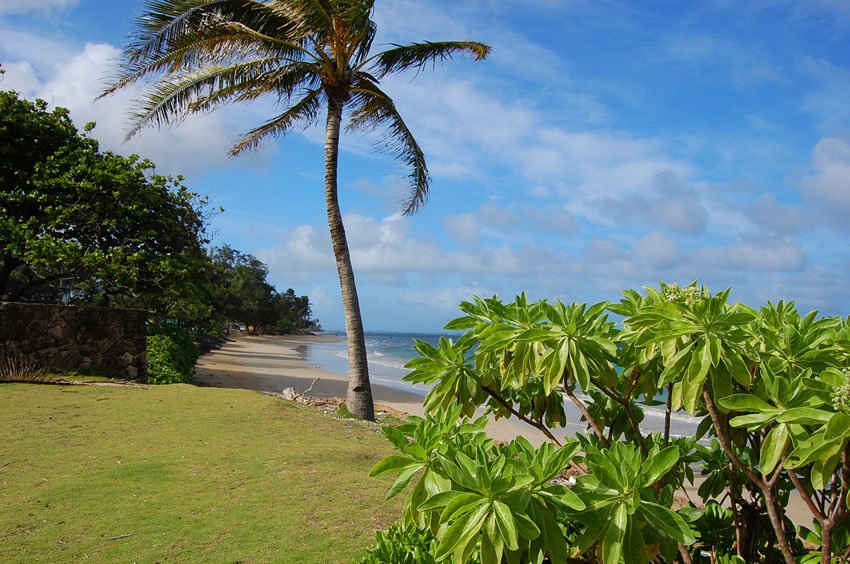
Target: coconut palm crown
{"type": "Point", "coordinates": [310, 55]}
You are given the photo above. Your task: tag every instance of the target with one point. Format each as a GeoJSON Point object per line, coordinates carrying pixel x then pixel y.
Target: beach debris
{"type": "Point", "coordinates": [292, 394]}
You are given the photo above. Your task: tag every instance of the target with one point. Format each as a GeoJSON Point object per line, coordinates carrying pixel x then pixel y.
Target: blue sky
{"type": "Point", "coordinates": [605, 145]}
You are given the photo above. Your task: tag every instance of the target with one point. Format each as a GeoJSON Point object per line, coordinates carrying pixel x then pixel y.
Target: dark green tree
{"type": "Point", "coordinates": [312, 55]}
{"type": "Point", "coordinates": [78, 224]}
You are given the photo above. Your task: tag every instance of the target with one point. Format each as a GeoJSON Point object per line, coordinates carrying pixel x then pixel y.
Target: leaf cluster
{"type": "Point", "coordinates": [770, 389]}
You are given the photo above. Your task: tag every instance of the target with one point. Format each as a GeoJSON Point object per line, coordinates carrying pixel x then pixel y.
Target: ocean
{"type": "Point", "coordinates": [388, 353]}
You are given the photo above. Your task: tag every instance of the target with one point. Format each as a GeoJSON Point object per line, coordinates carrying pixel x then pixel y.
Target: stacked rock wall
{"type": "Point", "coordinates": [102, 340]}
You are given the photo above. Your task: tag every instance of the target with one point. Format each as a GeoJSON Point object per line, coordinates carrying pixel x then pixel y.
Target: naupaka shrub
{"type": "Point", "coordinates": [769, 388]}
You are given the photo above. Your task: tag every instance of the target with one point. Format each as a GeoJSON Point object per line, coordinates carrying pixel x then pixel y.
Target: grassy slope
{"type": "Point", "coordinates": [192, 474]}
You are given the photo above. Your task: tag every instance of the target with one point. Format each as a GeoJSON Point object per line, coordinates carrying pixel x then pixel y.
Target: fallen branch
{"type": "Point", "coordinates": [304, 395]}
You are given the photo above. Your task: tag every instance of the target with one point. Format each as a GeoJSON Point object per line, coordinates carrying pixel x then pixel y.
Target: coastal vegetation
{"type": "Point", "coordinates": [185, 474]}
{"type": "Point", "coordinates": [769, 386]}
{"type": "Point", "coordinates": [90, 227]}
{"type": "Point", "coordinates": [311, 56]}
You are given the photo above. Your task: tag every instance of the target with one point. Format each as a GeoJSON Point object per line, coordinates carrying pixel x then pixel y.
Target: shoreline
{"type": "Point", "coordinates": [269, 364]}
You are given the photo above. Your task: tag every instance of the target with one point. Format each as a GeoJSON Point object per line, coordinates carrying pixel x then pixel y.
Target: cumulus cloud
{"type": "Point", "coordinates": [776, 218]}
{"type": "Point", "coordinates": [387, 246]}
{"type": "Point", "coordinates": [827, 188]}
{"type": "Point", "coordinates": [668, 202]}
{"type": "Point", "coordinates": [197, 144]}
{"type": "Point", "coordinates": [752, 255]}
{"type": "Point", "coordinates": [463, 228]}
{"type": "Point", "coordinates": [657, 250]}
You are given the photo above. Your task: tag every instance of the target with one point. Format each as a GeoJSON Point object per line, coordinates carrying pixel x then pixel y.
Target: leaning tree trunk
{"type": "Point", "coordinates": [359, 397]}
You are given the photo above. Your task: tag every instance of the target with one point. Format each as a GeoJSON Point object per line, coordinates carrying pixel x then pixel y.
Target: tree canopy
{"type": "Point", "coordinates": [81, 225]}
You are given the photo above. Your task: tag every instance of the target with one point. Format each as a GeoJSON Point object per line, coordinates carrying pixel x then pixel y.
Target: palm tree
{"type": "Point", "coordinates": [310, 54]}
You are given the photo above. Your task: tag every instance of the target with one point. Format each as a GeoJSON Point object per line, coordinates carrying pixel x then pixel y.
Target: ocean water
{"type": "Point", "coordinates": [388, 353]}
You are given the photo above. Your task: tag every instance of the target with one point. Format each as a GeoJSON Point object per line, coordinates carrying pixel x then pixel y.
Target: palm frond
{"type": "Point", "coordinates": [163, 23]}
{"type": "Point", "coordinates": [184, 35]}
{"type": "Point", "coordinates": [419, 55]}
{"type": "Point", "coordinates": [173, 97]}
{"type": "Point", "coordinates": [373, 109]}
{"type": "Point", "coordinates": [314, 15]}
{"type": "Point", "coordinates": [250, 82]}
{"type": "Point", "coordinates": [212, 46]}
{"type": "Point", "coordinates": [302, 114]}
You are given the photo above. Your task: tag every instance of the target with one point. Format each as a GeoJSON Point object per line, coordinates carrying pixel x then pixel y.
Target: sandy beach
{"type": "Point", "coordinates": [271, 364]}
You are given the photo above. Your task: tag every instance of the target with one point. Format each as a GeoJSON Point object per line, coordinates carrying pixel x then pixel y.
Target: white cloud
{"type": "Point", "coordinates": [775, 218]}
{"type": "Point", "coordinates": [23, 6]}
{"type": "Point", "coordinates": [20, 76]}
{"type": "Point", "coordinates": [197, 144]}
{"type": "Point", "coordinates": [463, 228]}
{"type": "Point", "coordinates": [657, 250]}
{"type": "Point", "coordinates": [667, 201]}
{"type": "Point", "coordinates": [754, 255]}
{"type": "Point", "coordinates": [497, 216]}
{"type": "Point", "coordinates": [827, 188]}
{"type": "Point", "coordinates": [43, 54]}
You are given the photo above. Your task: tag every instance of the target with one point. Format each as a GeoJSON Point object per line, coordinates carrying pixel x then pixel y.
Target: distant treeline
{"type": "Point", "coordinates": [83, 226]}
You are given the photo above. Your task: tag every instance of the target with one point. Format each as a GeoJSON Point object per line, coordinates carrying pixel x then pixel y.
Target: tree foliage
{"type": "Point", "coordinates": [81, 225]}
{"type": "Point", "coordinates": [770, 388]}
{"type": "Point", "coordinates": [243, 294]}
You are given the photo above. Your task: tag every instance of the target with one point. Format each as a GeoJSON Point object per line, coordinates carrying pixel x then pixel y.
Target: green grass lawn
{"type": "Point", "coordinates": [190, 474]}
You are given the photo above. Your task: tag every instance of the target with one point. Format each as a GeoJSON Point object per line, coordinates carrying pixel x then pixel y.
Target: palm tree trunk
{"type": "Point", "coordinates": [359, 397]}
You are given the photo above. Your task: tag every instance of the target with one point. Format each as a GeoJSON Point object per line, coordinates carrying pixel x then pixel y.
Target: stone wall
{"type": "Point", "coordinates": [102, 340]}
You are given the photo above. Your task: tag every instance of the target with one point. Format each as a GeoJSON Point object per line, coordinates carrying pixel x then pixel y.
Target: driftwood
{"type": "Point", "coordinates": [292, 394]}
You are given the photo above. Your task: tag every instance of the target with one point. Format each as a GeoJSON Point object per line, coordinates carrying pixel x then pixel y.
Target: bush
{"type": "Point", "coordinates": [171, 354]}
{"type": "Point", "coordinates": [401, 545]}
{"type": "Point", "coordinates": [770, 389]}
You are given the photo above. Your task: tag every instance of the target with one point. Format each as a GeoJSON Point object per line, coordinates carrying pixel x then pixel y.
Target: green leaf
{"type": "Point", "coordinates": [506, 525]}
{"type": "Point", "coordinates": [745, 403]}
{"type": "Point", "coordinates": [754, 421]}
{"type": "Point", "coordinates": [668, 522]}
{"type": "Point", "coordinates": [553, 537]}
{"type": "Point", "coordinates": [526, 528]}
{"type": "Point", "coordinates": [695, 380]}
{"type": "Point", "coordinates": [404, 479]}
{"type": "Point", "coordinates": [838, 426]}
{"type": "Point", "coordinates": [804, 416]}
{"type": "Point", "coordinates": [392, 464]}
{"type": "Point", "coordinates": [775, 443]}
{"type": "Point", "coordinates": [459, 533]}
{"type": "Point", "coordinates": [808, 452]}
{"type": "Point", "coordinates": [460, 505]}
{"type": "Point", "coordinates": [440, 500]}
{"type": "Point", "coordinates": [635, 546]}
{"type": "Point", "coordinates": [612, 542]}
{"type": "Point", "coordinates": [655, 467]}
{"type": "Point", "coordinates": [492, 545]}
{"type": "Point", "coordinates": [564, 497]}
